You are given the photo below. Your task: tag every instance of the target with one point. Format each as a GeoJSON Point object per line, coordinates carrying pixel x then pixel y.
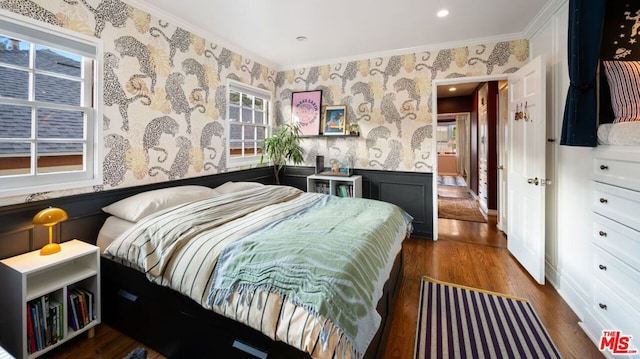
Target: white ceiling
{"type": "Point", "coordinates": [339, 30]}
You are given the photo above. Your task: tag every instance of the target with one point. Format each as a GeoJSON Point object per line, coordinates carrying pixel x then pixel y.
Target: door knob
{"type": "Point", "coordinates": [501, 167]}
{"type": "Point", "coordinates": [534, 181]}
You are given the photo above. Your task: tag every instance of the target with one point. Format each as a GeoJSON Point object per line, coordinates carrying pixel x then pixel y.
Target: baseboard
{"type": "Point", "coordinates": [570, 291]}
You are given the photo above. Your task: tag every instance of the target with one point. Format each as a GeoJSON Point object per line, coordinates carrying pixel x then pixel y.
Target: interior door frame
{"type": "Point", "coordinates": [434, 123]}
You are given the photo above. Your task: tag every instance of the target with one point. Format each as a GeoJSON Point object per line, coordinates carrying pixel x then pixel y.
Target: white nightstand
{"type": "Point", "coordinates": [29, 277]}
{"type": "Point", "coordinates": [342, 186]}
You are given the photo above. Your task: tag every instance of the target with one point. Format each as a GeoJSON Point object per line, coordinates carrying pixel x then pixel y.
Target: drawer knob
{"type": "Point", "coordinates": [602, 267]}
{"type": "Point", "coordinates": [602, 306]}
{"type": "Point", "coordinates": [603, 200]}
{"type": "Point", "coordinates": [604, 167]}
{"type": "Point", "coordinates": [602, 234]}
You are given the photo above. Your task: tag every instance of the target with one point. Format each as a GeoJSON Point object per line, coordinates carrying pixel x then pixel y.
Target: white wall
{"type": "Point", "coordinates": [569, 219]}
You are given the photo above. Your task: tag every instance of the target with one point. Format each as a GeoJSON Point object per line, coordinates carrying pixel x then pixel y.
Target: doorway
{"type": "Point", "coordinates": [464, 86]}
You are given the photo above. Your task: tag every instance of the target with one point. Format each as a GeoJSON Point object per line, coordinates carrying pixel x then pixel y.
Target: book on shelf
{"type": "Point", "coordinates": [44, 323]}
{"type": "Point", "coordinates": [81, 302]}
{"type": "Point", "coordinates": [345, 190]}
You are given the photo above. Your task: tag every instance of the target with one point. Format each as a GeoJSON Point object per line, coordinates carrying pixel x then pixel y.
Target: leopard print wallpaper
{"type": "Point", "coordinates": [390, 99]}
{"type": "Point", "coordinates": [164, 98]}
{"type": "Point", "coordinates": [164, 92]}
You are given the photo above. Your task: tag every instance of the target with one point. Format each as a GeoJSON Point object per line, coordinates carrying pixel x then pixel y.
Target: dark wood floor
{"type": "Point", "coordinates": [467, 253]}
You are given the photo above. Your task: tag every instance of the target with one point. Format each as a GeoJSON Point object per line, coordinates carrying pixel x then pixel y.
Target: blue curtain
{"type": "Point", "coordinates": [579, 125]}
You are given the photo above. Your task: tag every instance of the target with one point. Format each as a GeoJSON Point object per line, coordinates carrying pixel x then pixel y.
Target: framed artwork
{"type": "Point", "coordinates": [335, 120]}
{"type": "Point", "coordinates": [305, 111]}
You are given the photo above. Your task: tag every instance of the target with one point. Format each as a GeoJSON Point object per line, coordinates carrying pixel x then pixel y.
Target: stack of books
{"type": "Point", "coordinates": [81, 308]}
{"type": "Point", "coordinates": [323, 187]}
{"type": "Point", "coordinates": [345, 190]}
{"type": "Point", "coordinates": [45, 323]}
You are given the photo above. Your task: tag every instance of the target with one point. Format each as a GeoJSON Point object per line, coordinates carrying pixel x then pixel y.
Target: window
{"type": "Point", "coordinates": [48, 131]}
{"type": "Point", "coordinates": [446, 137]}
{"type": "Point", "coordinates": [248, 123]}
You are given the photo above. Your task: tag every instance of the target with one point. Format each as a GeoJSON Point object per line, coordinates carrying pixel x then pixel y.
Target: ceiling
{"type": "Point", "coordinates": [338, 30]}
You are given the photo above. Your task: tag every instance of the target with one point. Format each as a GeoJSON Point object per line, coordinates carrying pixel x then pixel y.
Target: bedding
{"type": "Point", "coordinates": [143, 204]}
{"type": "Point", "coordinates": [622, 133]}
{"type": "Point", "coordinates": [624, 83]}
{"type": "Point", "coordinates": [207, 250]}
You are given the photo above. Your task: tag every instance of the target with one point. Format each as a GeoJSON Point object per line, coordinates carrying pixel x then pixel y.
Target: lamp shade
{"type": "Point", "coordinates": [50, 216]}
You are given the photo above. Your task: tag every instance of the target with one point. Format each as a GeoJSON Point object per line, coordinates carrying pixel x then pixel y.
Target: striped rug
{"type": "Point", "coordinates": [462, 322]}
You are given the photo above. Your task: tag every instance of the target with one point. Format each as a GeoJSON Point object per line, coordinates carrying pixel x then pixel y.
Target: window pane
{"type": "Point", "coordinates": [57, 61]}
{"type": "Point", "coordinates": [235, 149]}
{"type": "Point", "coordinates": [15, 158]}
{"type": "Point", "coordinates": [247, 115]}
{"type": "Point", "coordinates": [249, 133]}
{"type": "Point", "coordinates": [259, 103]}
{"type": "Point", "coordinates": [59, 157]}
{"type": "Point", "coordinates": [234, 113]}
{"type": "Point", "coordinates": [15, 121]}
{"type": "Point", "coordinates": [57, 90]}
{"type": "Point", "coordinates": [14, 52]}
{"type": "Point", "coordinates": [235, 132]}
{"type": "Point", "coordinates": [250, 149]}
{"type": "Point", "coordinates": [234, 97]}
{"type": "Point", "coordinates": [60, 124]}
{"type": "Point", "coordinates": [259, 117]}
{"type": "Point", "coordinates": [247, 101]}
{"type": "Point", "coordinates": [261, 133]}
{"type": "Point", "coordinates": [260, 148]}
{"type": "Point", "coordinates": [15, 83]}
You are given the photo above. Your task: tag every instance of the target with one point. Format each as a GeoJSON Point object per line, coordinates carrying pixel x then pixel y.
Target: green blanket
{"type": "Point", "coordinates": [331, 259]}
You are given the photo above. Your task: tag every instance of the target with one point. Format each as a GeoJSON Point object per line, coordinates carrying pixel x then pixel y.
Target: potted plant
{"type": "Point", "coordinates": [283, 147]}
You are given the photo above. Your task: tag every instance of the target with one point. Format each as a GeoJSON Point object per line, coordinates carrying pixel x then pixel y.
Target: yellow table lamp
{"type": "Point", "coordinates": [49, 217]}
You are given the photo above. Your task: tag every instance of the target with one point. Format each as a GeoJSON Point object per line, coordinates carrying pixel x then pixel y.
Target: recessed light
{"type": "Point", "coordinates": [301, 38]}
{"type": "Point", "coordinates": [451, 89]}
{"type": "Point", "coordinates": [443, 13]}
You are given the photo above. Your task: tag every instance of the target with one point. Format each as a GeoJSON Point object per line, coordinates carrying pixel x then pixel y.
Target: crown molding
{"type": "Point", "coordinates": [542, 18]}
{"type": "Point", "coordinates": [207, 35]}
{"type": "Point", "coordinates": [408, 50]}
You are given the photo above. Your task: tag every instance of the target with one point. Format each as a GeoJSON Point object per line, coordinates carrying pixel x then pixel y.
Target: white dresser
{"type": "Point", "coordinates": [615, 247]}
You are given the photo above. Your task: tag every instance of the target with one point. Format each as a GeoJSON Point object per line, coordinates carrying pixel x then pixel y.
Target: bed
{"type": "Point", "coordinates": [251, 270]}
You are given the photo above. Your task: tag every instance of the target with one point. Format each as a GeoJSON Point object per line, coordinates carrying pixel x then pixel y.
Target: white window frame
{"type": "Point", "coordinates": [236, 86]}
{"type": "Point", "coordinates": [34, 32]}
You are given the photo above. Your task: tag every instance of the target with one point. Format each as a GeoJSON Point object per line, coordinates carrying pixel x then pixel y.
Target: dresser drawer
{"type": "Point", "coordinates": [621, 241]}
{"type": "Point", "coordinates": [618, 276]}
{"type": "Point", "coordinates": [619, 204]}
{"type": "Point", "coordinates": [609, 306]}
{"type": "Point", "coordinates": [617, 167]}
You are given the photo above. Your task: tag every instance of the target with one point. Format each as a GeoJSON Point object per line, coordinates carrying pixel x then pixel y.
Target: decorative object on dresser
{"type": "Point", "coordinates": [48, 300]}
{"type": "Point", "coordinates": [615, 244]}
{"type": "Point", "coordinates": [49, 217]}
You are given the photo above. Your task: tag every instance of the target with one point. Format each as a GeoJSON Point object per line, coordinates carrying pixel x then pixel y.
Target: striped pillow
{"type": "Point", "coordinates": [624, 81]}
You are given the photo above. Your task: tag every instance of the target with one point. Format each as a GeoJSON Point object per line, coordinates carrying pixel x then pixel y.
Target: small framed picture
{"type": "Point", "coordinates": [335, 120]}
{"type": "Point", "coordinates": [305, 111]}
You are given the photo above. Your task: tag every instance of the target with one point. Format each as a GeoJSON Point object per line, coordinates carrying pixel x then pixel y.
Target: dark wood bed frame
{"type": "Point", "coordinates": [157, 316]}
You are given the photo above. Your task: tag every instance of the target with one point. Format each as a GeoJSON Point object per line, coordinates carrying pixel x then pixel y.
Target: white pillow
{"type": "Point", "coordinates": [143, 204]}
{"type": "Point", "coordinates": [624, 82]}
{"type": "Point", "coordinates": [231, 187]}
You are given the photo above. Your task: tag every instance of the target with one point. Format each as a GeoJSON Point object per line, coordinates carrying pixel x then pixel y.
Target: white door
{"type": "Point", "coordinates": [503, 118]}
{"type": "Point", "coordinates": [526, 168]}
